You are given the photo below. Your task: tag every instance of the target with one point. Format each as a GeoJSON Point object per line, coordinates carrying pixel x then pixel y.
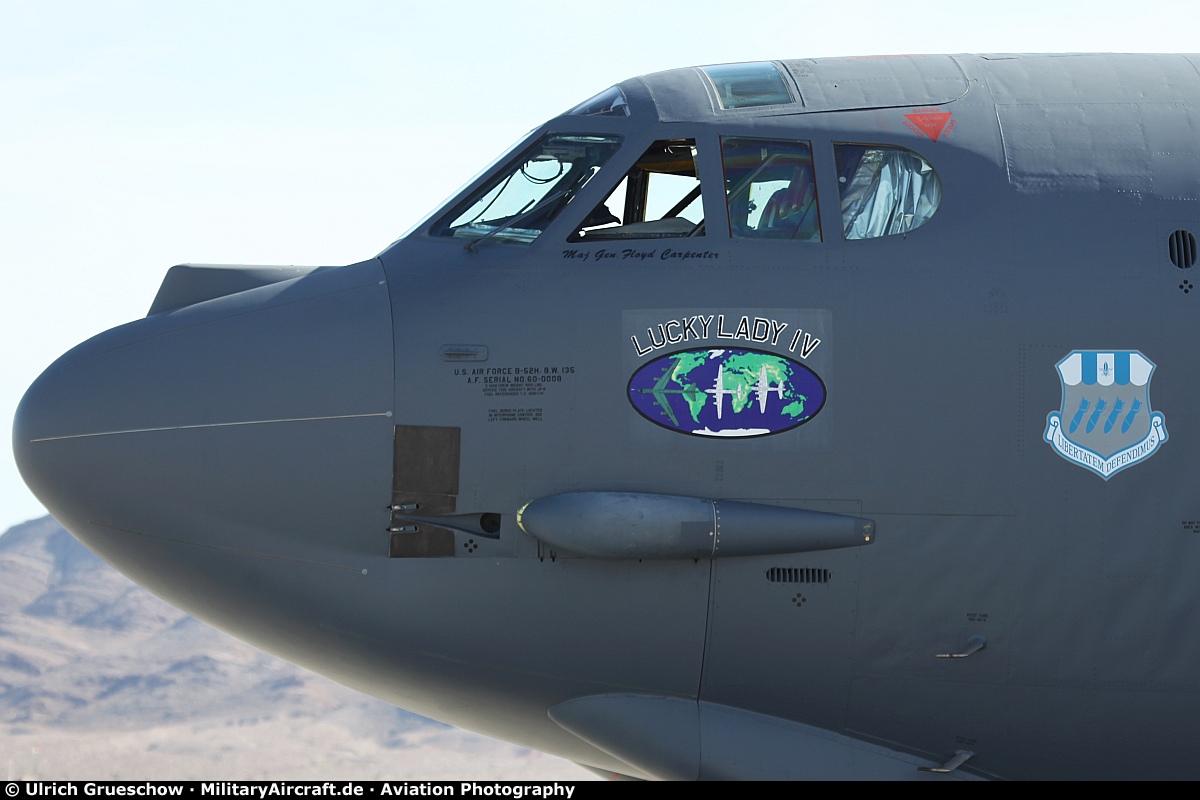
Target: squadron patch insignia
{"type": "Point", "coordinates": [1105, 423]}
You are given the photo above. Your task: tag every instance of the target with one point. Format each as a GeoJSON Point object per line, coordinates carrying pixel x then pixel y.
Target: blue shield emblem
{"type": "Point", "coordinates": [1105, 423]}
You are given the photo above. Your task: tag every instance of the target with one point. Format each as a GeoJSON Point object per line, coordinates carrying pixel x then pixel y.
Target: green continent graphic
{"type": "Point", "coordinates": [795, 409]}
{"type": "Point", "coordinates": [693, 394]}
{"type": "Point", "coordinates": [744, 376]}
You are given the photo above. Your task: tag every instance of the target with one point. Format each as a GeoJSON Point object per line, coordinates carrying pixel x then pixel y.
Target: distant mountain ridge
{"type": "Point", "coordinates": [128, 686]}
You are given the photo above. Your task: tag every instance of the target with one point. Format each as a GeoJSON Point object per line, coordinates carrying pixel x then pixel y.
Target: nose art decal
{"type": "Point", "coordinates": [730, 392]}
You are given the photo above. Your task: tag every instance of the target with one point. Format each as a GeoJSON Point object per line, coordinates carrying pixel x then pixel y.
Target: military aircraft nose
{"type": "Point", "coordinates": [201, 427]}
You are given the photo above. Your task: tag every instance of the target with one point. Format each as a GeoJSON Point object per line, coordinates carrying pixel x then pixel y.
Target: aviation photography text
{"type": "Point", "coordinates": [264, 789]}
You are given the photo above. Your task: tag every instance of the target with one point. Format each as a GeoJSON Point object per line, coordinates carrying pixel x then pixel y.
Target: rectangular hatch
{"type": "Point", "coordinates": [425, 464]}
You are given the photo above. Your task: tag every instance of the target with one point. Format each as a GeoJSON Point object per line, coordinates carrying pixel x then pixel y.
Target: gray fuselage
{"type": "Point", "coordinates": [316, 464]}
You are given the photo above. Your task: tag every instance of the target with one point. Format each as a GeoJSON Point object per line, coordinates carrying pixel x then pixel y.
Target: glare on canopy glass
{"type": "Point", "coordinates": [522, 198]}
{"type": "Point", "coordinates": [757, 83]}
{"type": "Point", "coordinates": [609, 103]}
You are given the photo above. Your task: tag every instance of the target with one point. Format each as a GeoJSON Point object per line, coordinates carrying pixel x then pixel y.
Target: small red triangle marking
{"type": "Point", "coordinates": [932, 124]}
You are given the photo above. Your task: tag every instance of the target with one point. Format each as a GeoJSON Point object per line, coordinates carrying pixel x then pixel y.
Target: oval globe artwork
{"type": "Point", "coordinates": [728, 392]}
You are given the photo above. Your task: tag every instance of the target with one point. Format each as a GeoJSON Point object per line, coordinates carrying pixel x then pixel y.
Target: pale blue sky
{"type": "Point", "coordinates": [136, 135]}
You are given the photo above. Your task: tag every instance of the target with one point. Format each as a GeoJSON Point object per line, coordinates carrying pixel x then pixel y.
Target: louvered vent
{"type": "Point", "coordinates": [797, 575]}
{"type": "Point", "coordinates": [1183, 249]}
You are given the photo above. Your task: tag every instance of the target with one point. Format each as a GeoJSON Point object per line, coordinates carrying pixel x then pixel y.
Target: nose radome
{"type": "Point", "coordinates": [259, 422]}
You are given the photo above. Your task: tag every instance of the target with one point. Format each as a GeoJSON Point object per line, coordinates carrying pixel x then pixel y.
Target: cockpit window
{"type": "Point", "coordinates": [758, 83]}
{"type": "Point", "coordinates": [885, 190]}
{"type": "Point", "coordinates": [659, 198]}
{"type": "Point", "coordinates": [770, 189]}
{"type": "Point", "coordinates": [609, 103]}
{"type": "Point", "coordinates": [520, 201]}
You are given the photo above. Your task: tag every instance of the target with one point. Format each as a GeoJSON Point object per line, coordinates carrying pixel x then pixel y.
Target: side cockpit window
{"type": "Point", "coordinates": [658, 198]}
{"type": "Point", "coordinates": [770, 189]}
{"type": "Point", "coordinates": [522, 199]}
{"type": "Point", "coordinates": [885, 190]}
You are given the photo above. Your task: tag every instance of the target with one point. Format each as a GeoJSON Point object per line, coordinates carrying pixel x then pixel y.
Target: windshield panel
{"type": "Point", "coordinates": [522, 199]}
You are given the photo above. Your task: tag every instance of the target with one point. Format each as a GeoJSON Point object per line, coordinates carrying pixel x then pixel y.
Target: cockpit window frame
{"type": "Point", "coordinates": [441, 226]}
{"type": "Point", "coordinates": [937, 184]}
{"type": "Point", "coordinates": [646, 186]}
{"type": "Point", "coordinates": [810, 219]}
{"type": "Point", "coordinates": [558, 231]}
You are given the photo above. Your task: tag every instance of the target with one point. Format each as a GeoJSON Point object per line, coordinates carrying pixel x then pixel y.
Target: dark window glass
{"type": "Point", "coordinates": [770, 188]}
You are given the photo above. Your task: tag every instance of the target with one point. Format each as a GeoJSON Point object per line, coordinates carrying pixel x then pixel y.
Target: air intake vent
{"type": "Point", "coordinates": [1183, 249]}
{"type": "Point", "coordinates": [797, 575]}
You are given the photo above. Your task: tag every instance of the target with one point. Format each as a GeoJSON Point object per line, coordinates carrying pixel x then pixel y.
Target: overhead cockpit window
{"type": "Point", "coordinates": [609, 103]}
{"type": "Point", "coordinates": [758, 83]}
{"type": "Point", "coordinates": [521, 200]}
{"type": "Point", "coordinates": [885, 190]}
{"type": "Point", "coordinates": [659, 198]}
{"type": "Point", "coordinates": [770, 188]}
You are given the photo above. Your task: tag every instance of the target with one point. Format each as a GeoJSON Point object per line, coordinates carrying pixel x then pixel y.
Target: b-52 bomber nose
{"type": "Point", "coordinates": [208, 442]}
{"type": "Point", "coordinates": [589, 459]}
